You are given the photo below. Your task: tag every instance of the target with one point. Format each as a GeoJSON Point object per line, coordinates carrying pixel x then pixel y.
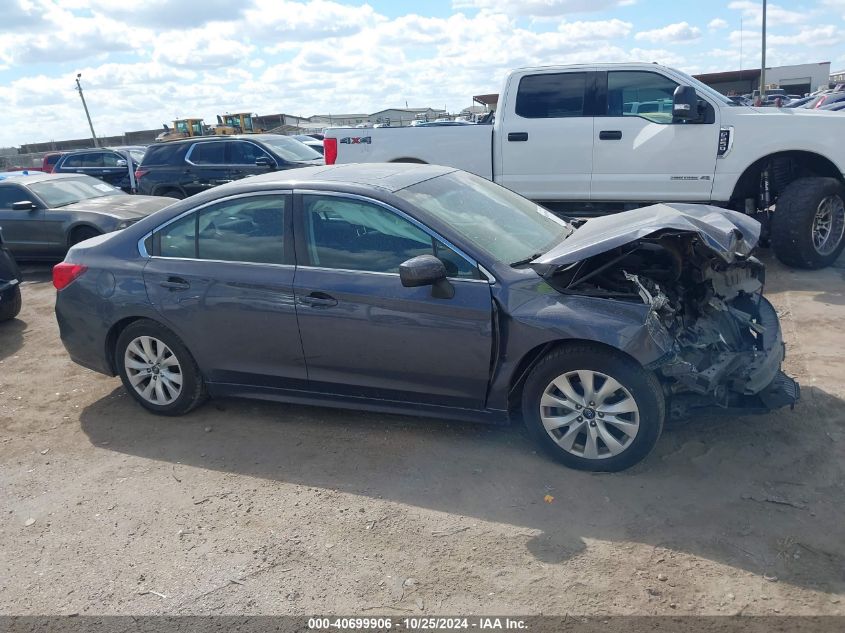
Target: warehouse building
{"type": "Point", "coordinates": [799, 79]}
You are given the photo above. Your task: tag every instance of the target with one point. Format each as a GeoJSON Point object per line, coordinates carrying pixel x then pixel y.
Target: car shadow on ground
{"type": "Point", "coordinates": [740, 491]}
{"type": "Point", "coordinates": [11, 337]}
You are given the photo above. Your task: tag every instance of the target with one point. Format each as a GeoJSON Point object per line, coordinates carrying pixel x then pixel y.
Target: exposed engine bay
{"type": "Point", "coordinates": [726, 340]}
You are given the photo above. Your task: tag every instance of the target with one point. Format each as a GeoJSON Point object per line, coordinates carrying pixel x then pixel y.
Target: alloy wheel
{"type": "Point", "coordinates": [828, 225]}
{"type": "Point", "coordinates": [153, 370]}
{"type": "Point", "coordinates": [589, 414]}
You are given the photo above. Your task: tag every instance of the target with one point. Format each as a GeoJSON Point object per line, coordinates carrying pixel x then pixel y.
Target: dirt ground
{"type": "Point", "coordinates": [259, 508]}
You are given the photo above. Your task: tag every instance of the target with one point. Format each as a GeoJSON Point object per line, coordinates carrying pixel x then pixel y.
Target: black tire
{"type": "Point", "coordinates": [642, 386]}
{"type": "Point", "coordinates": [192, 392]}
{"type": "Point", "coordinates": [82, 233]}
{"type": "Point", "coordinates": [792, 222]}
{"type": "Point", "coordinates": [173, 193]}
{"type": "Point", "coordinates": [10, 305]}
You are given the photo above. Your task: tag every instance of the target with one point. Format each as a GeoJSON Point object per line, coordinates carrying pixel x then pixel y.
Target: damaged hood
{"type": "Point", "coordinates": [726, 233]}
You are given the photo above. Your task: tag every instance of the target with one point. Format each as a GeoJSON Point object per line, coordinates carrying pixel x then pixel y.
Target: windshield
{"type": "Point", "coordinates": [703, 87]}
{"type": "Point", "coordinates": [290, 149]}
{"type": "Point", "coordinates": [137, 155]}
{"type": "Point", "coordinates": [493, 219]}
{"type": "Point", "coordinates": [64, 191]}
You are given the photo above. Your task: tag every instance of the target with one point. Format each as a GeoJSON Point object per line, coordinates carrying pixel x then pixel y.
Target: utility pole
{"type": "Point", "coordinates": [84, 105]}
{"type": "Point", "coordinates": [763, 63]}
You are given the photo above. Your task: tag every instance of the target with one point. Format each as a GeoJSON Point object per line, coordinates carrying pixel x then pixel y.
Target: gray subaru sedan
{"type": "Point", "coordinates": [427, 290]}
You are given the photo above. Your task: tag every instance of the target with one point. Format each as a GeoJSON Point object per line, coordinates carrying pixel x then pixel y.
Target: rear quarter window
{"type": "Point", "coordinates": [164, 154]}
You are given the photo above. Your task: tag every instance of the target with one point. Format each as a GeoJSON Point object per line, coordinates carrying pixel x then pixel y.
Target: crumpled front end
{"type": "Point", "coordinates": [727, 347]}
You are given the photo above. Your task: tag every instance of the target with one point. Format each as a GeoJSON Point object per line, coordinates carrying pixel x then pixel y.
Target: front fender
{"type": "Point", "coordinates": [544, 316]}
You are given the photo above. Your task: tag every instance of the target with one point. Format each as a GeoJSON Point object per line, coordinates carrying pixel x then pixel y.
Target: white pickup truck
{"type": "Point", "coordinates": [589, 139]}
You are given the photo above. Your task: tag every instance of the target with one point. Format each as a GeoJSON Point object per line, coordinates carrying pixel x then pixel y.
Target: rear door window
{"type": "Point", "coordinates": [243, 230]}
{"type": "Point", "coordinates": [81, 160]}
{"type": "Point", "coordinates": [250, 229]}
{"type": "Point", "coordinates": [208, 154]}
{"type": "Point", "coordinates": [551, 95]}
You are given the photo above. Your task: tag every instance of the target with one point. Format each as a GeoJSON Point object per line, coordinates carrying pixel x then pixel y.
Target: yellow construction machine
{"type": "Point", "coordinates": [240, 123]}
{"type": "Point", "coordinates": [182, 128]}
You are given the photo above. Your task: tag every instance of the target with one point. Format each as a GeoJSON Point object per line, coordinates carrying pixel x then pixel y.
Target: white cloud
{"type": "Point", "coordinates": [814, 37]}
{"type": "Point", "coordinates": [775, 14]}
{"type": "Point", "coordinates": [200, 49]}
{"type": "Point", "coordinates": [539, 8]}
{"type": "Point", "coordinates": [285, 21]}
{"type": "Point", "coordinates": [717, 23]}
{"type": "Point", "coordinates": [162, 14]}
{"type": "Point", "coordinates": [680, 32]}
{"type": "Point", "coordinates": [595, 31]}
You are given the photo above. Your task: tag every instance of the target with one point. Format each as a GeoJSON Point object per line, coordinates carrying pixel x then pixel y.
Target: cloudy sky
{"type": "Point", "coordinates": [144, 62]}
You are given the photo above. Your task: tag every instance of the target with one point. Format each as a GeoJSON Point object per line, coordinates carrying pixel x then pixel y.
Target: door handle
{"type": "Point", "coordinates": [517, 136]}
{"type": "Point", "coordinates": [610, 135]}
{"type": "Point", "coordinates": [318, 300]}
{"type": "Point", "coordinates": [175, 283]}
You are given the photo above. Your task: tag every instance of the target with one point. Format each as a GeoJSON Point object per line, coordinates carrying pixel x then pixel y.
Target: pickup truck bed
{"type": "Point", "coordinates": [469, 146]}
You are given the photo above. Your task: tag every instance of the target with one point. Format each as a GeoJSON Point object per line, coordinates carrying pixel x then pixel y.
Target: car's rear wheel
{"type": "Point", "coordinates": [10, 304]}
{"type": "Point", "coordinates": [808, 226]}
{"type": "Point", "coordinates": [592, 408]}
{"type": "Point", "coordinates": [173, 193]}
{"type": "Point", "coordinates": [157, 369]}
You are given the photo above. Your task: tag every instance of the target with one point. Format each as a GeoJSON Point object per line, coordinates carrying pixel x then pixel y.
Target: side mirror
{"type": "Point", "coordinates": [264, 161]}
{"type": "Point", "coordinates": [122, 163]}
{"type": "Point", "coordinates": [685, 104]}
{"type": "Point", "coordinates": [426, 270]}
{"type": "Point", "coordinates": [23, 205]}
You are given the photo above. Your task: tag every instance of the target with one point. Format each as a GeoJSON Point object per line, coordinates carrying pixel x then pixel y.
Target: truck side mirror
{"type": "Point", "coordinates": [685, 104]}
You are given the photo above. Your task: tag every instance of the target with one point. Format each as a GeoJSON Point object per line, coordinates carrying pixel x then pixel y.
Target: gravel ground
{"type": "Point", "coordinates": [260, 508]}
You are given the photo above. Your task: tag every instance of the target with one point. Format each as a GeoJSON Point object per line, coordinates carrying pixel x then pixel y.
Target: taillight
{"type": "Point", "coordinates": [330, 150]}
{"type": "Point", "coordinates": [64, 274]}
{"type": "Point", "coordinates": [139, 173]}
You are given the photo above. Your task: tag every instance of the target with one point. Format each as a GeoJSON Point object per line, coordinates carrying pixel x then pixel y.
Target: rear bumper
{"type": "Point", "coordinates": [81, 331]}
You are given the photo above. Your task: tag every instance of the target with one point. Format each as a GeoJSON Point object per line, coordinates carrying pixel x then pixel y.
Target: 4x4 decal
{"type": "Point", "coordinates": [356, 140]}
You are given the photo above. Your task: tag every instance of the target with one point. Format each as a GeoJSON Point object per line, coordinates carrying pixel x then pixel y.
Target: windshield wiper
{"type": "Point", "coordinates": [527, 260]}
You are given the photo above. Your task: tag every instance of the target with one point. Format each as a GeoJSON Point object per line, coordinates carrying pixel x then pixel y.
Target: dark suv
{"type": "Point", "coordinates": [187, 166]}
{"type": "Point", "coordinates": [114, 165]}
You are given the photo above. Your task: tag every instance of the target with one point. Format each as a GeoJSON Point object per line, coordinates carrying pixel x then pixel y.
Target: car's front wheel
{"type": "Point", "coordinates": [592, 408]}
{"type": "Point", "coordinates": [157, 369]}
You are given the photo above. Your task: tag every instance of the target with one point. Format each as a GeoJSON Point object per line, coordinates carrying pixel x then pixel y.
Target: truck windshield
{"type": "Point", "coordinates": [493, 219]}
